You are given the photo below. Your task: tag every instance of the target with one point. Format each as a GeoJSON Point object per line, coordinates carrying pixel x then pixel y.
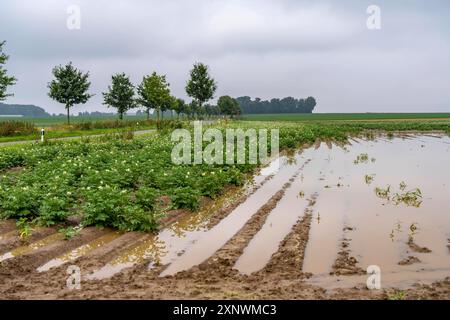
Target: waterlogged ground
{"type": "Point", "coordinates": [308, 227]}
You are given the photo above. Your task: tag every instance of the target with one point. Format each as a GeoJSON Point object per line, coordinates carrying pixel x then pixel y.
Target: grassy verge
{"type": "Point", "coordinates": [56, 134]}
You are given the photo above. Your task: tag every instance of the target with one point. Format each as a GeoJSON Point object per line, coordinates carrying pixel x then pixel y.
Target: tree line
{"type": "Point", "coordinates": [285, 105]}
{"type": "Point", "coordinates": [70, 87]}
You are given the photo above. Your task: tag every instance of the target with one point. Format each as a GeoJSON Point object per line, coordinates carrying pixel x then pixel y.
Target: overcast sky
{"type": "Point", "coordinates": [259, 48]}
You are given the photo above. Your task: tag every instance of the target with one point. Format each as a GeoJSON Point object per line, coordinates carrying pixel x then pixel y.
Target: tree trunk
{"type": "Point", "coordinates": [157, 114]}
{"type": "Point", "coordinates": [148, 113]}
{"type": "Point", "coordinates": [68, 115]}
{"type": "Point", "coordinates": [120, 115]}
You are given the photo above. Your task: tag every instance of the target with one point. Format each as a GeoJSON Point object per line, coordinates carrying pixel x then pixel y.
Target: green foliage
{"type": "Point", "coordinates": [5, 80]}
{"type": "Point", "coordinates": [111, 124]}
{"type": "Point", "coordinates": [154, 93]}
{"type": "Point", "coordinates": [24, 228]}
{"type": "Point", "coordinates": [397, 295]}
{"type": "Point", "coordinates": [277, 106]}
{"type": "Point", "coordinates": [229, 106]}
{"type": "Point", "coordinates": [185, 198]}
{"type": "Point", "coordinates": [411, 198]}
{"type": "Point", "coordinates": [120, 94]}
{"type": "Point", "coordinates": [70, 232]}
{"type": "Point", "coordinates": [179, 107]}
{"type": "Point", "coordinates": [201, 86]}
{"type": "Point", "coordinates": [70, 87]}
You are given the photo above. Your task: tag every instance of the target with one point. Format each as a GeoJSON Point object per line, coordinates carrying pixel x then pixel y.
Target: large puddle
{"type": "Point", "coordinates": [390, 200]}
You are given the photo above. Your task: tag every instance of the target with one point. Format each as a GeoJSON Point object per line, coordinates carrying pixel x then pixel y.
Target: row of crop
{"type": "Point", "coordinates": [116, 184]}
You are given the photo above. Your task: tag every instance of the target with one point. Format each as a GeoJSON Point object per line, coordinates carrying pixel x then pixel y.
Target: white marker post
{"type": "Point", "coordinates": [42, 135]}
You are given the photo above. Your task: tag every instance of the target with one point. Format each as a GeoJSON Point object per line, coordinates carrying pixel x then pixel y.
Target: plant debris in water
{"type": "Point", "coordinates": [412, 198]}
{"type": "Point", "coordinates": [361, 158]}
{"type": "Point", "coordinates": [368, 178]}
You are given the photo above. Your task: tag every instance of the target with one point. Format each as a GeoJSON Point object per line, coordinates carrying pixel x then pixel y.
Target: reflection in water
{"type": "Point", "coordinates": [284, 216]}
{"type": "Point", "coordinates": [31, 247]}
{"type": "Point", "coordinates": [215, 238]}
{"type": "Point", "coordinates": [79, 252]}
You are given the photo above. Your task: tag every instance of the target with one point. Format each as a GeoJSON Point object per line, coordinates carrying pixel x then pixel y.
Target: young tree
{"type": "Point", "coordinates": [69, 87]}
{"type": "Point", "coordinates": [229, 106]}
{"type": "Point", "coordinates": [120, 94]}
{"type": "Point", "coordinates": [201, 87]}
{"type": "Point", "coordinates": [153, 93]}
{"type": "Point", "coordinates": [179, 107]}
{"type": "Point", "coordinates": [5, 80]}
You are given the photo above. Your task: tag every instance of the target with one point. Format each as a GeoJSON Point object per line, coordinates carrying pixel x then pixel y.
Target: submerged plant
{"type": "Point", "coordinates": [24, 228]}
{"type": "Point", "coordinates": [368, 178]}
{"type": "Point", "coordinates": [402, 185]}
{"type": "Point", "coordinates": [383, 193]}
{"type": "Point", "coordinates": [411, 198]}
{"type": "Point", "coordinates": [398, 295]}
{"type": "Point", "coordinates": [361, 158]}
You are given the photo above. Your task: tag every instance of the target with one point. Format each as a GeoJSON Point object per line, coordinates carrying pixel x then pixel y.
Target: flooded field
{"type": "Point", "coordinates": [389, 209]}
{"type": "Point", "coordinates": [330, 211]}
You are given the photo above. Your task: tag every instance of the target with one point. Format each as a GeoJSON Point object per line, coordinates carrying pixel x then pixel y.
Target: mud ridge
{"type": "Point", "coordinates": [220, 264]}
{"type": "Point", "coordinates": [288, 260]}
{"type": "Point", "coordinates": [416, 248]}
{"type": "Point", "coordinates": [345, 264]}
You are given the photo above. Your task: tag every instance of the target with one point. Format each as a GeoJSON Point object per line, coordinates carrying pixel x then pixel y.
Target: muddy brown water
{"type": "Point", "coordinates": [215, 238]}
{"type": "Point", "coordinates": [382, 230]}
{"type": "Point", "coordinates": [283, 217]}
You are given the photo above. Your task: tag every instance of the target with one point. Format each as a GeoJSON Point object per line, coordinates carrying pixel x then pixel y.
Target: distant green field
{"type": "Point", "coordinates": [343, 116]}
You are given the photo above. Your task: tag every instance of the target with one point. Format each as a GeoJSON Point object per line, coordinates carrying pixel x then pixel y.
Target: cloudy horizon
{"type": "Point", "coordinates": [266, 49]}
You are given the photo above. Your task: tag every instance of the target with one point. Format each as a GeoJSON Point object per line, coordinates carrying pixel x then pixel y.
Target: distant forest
{"type": "Point", "coordinates": [285, 105]}
{"type": "Point", "coordinates": [22, 110]}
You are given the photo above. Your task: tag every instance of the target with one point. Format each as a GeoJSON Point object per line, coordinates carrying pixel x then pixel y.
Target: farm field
{"type": "Point", "coordinates": [345, 116]}
{"type": "Point", "coordinates": [129, 218]}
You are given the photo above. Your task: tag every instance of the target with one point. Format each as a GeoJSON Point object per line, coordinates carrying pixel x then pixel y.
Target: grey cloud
{"type": "Point", "coordinates": [262, 48]}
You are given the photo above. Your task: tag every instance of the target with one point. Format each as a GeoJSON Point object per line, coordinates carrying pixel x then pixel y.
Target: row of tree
{"type": "Point", "coordinates": [70, 87]}
{"type": "Point", "coordinates": [285, 105]}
